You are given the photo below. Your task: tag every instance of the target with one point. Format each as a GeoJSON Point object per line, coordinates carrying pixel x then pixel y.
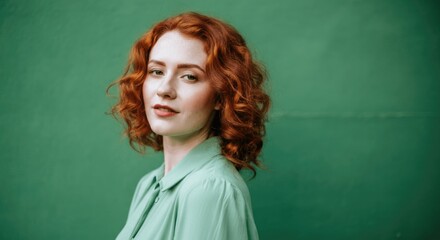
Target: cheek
{"type": "Point", "coordinates": [147, 90]}
{"type": "Point", "coordinates": [201, 101]}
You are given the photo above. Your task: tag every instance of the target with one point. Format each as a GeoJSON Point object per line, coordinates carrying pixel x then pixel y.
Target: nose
{"type": "Point", "coordinates": [166, 89]}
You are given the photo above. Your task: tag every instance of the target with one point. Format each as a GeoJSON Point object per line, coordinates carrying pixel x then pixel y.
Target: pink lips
{"type": "Point", "coordinates": [164, 111]}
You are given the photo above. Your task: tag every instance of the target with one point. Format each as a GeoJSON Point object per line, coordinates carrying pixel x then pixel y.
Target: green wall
{"type": "Point", "coordinates": [352, 148]}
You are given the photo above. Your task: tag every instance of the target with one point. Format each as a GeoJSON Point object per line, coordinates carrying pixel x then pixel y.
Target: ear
{"type": "Point", "coordinates": [217, 106]}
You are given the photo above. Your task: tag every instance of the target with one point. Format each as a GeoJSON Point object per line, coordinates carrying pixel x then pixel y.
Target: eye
{"type": "Point", "coordinates": [155, 72]}
{"type": "Point", "coordinates": [190, 77]}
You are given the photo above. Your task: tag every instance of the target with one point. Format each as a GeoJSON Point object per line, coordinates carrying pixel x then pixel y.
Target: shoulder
{"type": "Point", "coordinates": [217, 198]}
{"type": "Point", "coordinates": [218, 179]}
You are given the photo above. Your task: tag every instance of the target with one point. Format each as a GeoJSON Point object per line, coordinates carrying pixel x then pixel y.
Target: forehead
{"type": "Point", "coordinates": [175, 48]}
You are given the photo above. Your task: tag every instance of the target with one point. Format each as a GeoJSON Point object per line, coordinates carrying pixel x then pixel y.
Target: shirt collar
{"type": "Point", "coordinates": [158, 173]}
{"type": "Point", "coordinates": [195, 159]}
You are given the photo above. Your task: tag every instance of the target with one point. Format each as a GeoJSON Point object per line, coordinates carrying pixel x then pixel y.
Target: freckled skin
{"type": "Point", "coordinates": [176, 78]}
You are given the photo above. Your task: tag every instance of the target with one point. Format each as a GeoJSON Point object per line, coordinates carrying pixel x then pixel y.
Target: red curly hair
{"type": "Point", "coordinates": [237, 80]}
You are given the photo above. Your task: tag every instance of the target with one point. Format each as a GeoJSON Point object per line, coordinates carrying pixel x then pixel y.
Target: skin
{"type": "Point", "coordinates": [177, 79]}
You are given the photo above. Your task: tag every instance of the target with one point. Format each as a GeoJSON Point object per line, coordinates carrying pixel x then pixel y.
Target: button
{"type": "Point", "coordinates": [156, 200]}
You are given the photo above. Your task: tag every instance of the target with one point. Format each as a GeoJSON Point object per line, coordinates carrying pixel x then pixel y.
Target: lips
{"type": "Point", "coordinates": [164, 111]}
{"type": "Point", "coordinates": [164, 108]}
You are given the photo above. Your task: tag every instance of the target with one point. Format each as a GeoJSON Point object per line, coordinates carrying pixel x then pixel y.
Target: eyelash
{"type": "Point", "coordinates": [156, 72]}
{"type": "Point", "coordinates": [190, 77]}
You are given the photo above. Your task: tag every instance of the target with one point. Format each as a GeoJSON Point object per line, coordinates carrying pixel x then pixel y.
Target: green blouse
{"type": "Point", "coordinates": [202, 197]}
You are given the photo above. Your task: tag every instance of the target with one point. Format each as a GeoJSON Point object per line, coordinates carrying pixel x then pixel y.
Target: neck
{"type": "Point", "coordinates": [175, 149]}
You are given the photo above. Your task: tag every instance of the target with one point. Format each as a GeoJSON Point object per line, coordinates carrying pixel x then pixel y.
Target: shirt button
{"type": "Point", "coordinates": [156, 200]}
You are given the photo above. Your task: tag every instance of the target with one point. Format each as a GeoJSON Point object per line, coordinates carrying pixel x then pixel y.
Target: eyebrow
{"type": "Point", "coordinates": [183, 65]}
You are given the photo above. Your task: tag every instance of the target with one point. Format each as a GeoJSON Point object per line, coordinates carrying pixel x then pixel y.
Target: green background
{"type": "Point", "coordinates": [352, 147]}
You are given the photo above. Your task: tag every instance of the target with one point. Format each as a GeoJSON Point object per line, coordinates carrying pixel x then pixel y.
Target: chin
{"type": "Point", "coordinates": [160, 131]}
{"type": "Point", "coordinates": [163, 130]}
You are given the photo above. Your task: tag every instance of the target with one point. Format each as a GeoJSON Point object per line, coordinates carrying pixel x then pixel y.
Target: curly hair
{"type": "Point", "coordinates": [238, 81]}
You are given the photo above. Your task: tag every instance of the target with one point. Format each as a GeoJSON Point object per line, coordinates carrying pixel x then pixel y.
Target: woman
{"type": "Point", "coordinates": [193, 91]}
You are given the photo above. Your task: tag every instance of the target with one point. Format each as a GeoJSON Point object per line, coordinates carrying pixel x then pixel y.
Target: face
{"type": "Point", "coordinates": [179, 99]}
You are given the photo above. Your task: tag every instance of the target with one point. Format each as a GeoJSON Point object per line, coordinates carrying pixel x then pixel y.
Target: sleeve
{"type": "Point", "coordinates": [213, 209]}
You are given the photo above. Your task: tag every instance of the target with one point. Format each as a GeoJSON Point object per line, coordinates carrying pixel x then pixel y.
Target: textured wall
{"type": "Point", "coordinates": [353, 141]}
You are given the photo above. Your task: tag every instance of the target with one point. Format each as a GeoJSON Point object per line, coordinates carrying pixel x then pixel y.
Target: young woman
{"type": "Point", "coordinates": [193, 91]}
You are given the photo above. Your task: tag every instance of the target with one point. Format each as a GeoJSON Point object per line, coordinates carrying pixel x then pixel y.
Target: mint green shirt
{"type": "Point", "coordinates": [202, 197]}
